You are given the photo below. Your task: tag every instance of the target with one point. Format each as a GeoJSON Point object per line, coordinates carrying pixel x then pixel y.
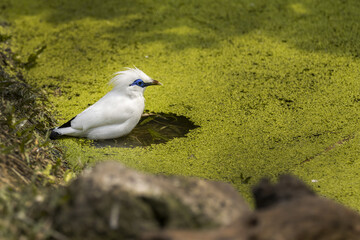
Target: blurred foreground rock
{"type": "Point", "coordinates": [286, 210]}
{"type": "Point", "coordinates": [111, 201]}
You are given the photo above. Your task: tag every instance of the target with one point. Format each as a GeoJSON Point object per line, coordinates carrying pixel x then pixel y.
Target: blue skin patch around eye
{"type": "Point", "coordinates": [140, 83]}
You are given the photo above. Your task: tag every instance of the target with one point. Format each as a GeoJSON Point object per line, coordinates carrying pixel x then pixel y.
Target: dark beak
{"type": "Point", "coordinates": [155, 82]}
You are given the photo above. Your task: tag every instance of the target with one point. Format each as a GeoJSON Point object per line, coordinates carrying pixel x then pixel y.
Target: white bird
{"type": "Point", "coordinates": [115, 114]}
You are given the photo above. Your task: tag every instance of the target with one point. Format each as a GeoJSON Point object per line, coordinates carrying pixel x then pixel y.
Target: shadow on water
{"type": "Point", "coordinates": [329, 26]}
{"type": "Point", "coordinates": [153, 128]}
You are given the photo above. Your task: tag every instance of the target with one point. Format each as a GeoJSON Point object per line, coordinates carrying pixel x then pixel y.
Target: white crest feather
{"type": "Point", "coordinates": [126, 77]}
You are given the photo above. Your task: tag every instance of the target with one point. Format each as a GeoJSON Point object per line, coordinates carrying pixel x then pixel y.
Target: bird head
{"type": "Point", "coordinates": [132, 79]}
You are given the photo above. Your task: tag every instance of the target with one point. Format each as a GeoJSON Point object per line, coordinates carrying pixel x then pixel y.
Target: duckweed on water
{"type": "Point", "coordinates": [270, 84]}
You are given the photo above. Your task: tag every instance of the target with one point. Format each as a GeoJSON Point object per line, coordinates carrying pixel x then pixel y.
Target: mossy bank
{"type": "Point", "coordinates": [273, 85]}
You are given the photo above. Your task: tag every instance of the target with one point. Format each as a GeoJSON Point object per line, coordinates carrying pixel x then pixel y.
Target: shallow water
{"type": "Point", "coordinates": [153, 128]}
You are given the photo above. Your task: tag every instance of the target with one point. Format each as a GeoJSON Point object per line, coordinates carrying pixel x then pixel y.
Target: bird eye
{"type": "Point", "coordinates": [138, 82]}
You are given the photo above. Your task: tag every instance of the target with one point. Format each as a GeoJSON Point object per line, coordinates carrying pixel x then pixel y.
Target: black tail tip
{"type": "Point", "coordinates": [54, 135]}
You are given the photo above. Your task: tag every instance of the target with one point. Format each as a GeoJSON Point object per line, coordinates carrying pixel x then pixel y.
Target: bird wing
{"type": "Point", "coordinates": [109, 110]}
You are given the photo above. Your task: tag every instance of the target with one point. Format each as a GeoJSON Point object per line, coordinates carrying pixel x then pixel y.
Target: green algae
{"type": "Point", "coordinates": [271, 84]}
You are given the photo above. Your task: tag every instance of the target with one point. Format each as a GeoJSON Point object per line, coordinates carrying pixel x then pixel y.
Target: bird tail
{"type": "Point", "coordinates": [55, 135]}
{"type": "Point", "coordinates": [59, 132]}
{"type": "Point", "coordinates": [64, 132]}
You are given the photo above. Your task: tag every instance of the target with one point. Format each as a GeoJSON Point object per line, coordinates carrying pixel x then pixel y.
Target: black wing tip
{"type": "Point", "coordinates": [68, 123]}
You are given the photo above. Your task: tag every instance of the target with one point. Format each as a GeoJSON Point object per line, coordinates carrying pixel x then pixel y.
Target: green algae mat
{"type": "Point", "coordinates": [273, 85]}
